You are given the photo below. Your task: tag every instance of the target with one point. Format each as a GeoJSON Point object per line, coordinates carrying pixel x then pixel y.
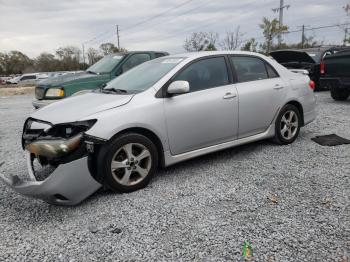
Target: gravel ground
{"type": "Point", "coordinates": [292, 203]}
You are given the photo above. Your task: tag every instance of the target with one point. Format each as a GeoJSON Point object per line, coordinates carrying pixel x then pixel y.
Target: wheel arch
{"type": "Point", "coordinates": [150, 135]}
{"type": "Point", "coordinates": [299, 106]}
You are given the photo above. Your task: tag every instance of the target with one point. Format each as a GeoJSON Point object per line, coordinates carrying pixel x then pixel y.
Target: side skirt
{"type": "Point", "coordinates": [170, 159]}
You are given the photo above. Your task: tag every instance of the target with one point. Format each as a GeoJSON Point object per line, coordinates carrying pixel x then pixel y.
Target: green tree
{"type": "Point", "coordinates": [46, 62]}
{"type": "Point", "coordinates": [250, 45]}
{"type": "Point", "coordinates": [271, 30]}
{"type": "Point", "coordinates": [15, 62]}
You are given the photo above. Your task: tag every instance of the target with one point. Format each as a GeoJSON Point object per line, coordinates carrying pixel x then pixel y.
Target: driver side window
{"type": "Point", "coordinates": [205, 73]}
{"type": "Point", "coordinates": [135, 60]}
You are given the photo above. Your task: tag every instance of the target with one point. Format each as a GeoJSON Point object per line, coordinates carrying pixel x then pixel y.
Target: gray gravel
{"type": "Point", "coordinates": [292, 203]}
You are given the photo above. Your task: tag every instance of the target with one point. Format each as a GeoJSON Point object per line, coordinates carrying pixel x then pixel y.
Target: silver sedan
{"type": "Point", "coordinates": [159, 113]}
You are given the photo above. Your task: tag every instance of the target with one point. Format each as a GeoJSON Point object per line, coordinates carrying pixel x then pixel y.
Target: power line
{"type": "Point", "coordinates": [139, 23]}
{"type": "Point", "coordinates": [204, 3]}
{"type": "Point", "coordinates": [201, 25]}
{"type": "Point", "coordinates": [158, 15]}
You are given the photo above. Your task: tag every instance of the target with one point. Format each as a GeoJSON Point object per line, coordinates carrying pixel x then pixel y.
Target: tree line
{"type": "Point", "coordinates": [234, 40]}
{"type": "Point", "coordinates": [68, 58]}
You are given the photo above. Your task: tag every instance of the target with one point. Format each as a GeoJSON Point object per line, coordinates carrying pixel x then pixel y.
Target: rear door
{"type": "Point", "coordinates": [207, 115]}
{"type": "Point", "coordinates": [260, 91]}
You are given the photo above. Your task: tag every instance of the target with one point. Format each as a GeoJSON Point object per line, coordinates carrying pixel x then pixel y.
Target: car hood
{"type": "Point", "coordinates": [79, 107]}
{"type": "Point", "coordinates": [59, 80]}
{"type": "Point", "coordinates": [289, 56]}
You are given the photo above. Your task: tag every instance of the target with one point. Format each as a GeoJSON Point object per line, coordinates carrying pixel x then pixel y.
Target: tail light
{"type": "Point", "coordinates": [312, 84]}
{"type": "Point", "coordinates": [322, 68]}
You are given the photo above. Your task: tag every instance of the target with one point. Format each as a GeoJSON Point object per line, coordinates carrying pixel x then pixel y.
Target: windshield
{"type": "Point", "coordinates": [316, 56]}
{"type": "Point", "coordinates": [143, 76]}
{"type": "Point", "coordinates": [106, 64]}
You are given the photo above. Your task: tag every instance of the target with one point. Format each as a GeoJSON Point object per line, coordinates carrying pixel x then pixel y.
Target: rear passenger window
{"type": "Point", "coordinates": [205, 73]}
{"type": "Point", "coordinates": [249, 68]}
{"type": "Point", "coordinates": [270, 71]}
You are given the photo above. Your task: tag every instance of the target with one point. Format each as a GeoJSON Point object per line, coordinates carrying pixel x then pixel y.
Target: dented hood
{"type": "Point", "coordinates": [289, 56]}
{"type": "Point", "coordinates": [78, 107]}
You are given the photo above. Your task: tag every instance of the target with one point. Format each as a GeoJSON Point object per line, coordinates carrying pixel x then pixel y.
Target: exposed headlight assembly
{"type": "Point", "coordinates": [55, 92]}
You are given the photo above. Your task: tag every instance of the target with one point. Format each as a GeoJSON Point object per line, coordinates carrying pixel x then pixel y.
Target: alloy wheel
{"type": "Point", "coordinates": [131, 164]}
{"type": "Point", "coordinates": [289, 124]}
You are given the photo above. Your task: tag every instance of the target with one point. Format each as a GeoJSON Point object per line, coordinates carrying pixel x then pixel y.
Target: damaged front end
{"type": "Point", "coordinates": [57, 160]}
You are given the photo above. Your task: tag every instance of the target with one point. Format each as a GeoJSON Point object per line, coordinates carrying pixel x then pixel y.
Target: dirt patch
{"type": "Point", "coordinates": [11, 91]}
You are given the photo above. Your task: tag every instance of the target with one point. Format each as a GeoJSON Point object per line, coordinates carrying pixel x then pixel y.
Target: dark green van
{"type": "Point", "coordinates": [109, 67]}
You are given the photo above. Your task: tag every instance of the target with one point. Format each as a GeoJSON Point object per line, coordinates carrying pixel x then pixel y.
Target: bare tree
{"type": "Point", "coordinates": [232, 40]}
{"type": "Point", "coordinates": [69, 57]}
{"type": "Point", "coordinates": [93, 55]}
{"type": "Point", "coordinates": [201, 41]}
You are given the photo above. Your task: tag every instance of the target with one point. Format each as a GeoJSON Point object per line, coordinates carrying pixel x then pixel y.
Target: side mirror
{"type": "Point", "coordinates": [178, 87]}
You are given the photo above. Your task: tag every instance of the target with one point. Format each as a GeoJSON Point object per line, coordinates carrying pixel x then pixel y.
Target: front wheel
{"type": "Point", "coordinates": [287, 125]}
{"type": "Point", "coordinates": [128, 163]}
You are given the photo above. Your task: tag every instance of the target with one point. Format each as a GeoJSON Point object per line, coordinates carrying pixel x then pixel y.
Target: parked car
{"type": "Point", "coordinates": [335, 73]}
{"type": "Point", "coordinates": [106, 69]}
{"type": "Point", "coordinates": [309, 59]}
{"type": "Point", "coordinates": [3, 79]}
{"type": "Point", "coordinates": [15, 80]}
{"type": "Point", "coordinates": [31, 78]}
{"type": "Point", "coordinates": [160, 113]}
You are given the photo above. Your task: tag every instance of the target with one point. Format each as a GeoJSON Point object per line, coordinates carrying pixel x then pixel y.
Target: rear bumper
{"type": "Point", "coordinates": [336, 83]}
{"type": "Point", "coordinates": [69, 184]}
{"type": "Point", "coordinates": [41, 103]}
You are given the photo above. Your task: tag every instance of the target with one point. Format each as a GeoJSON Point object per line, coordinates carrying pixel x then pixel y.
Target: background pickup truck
{"type": "Point", "coordinates": [308, 59]}
{"type": "Point", "coordinates": [103, 71]}
{"type": "Point", "coordinates": [335, 73]}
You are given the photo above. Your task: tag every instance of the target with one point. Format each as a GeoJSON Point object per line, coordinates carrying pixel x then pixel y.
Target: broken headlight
{"type": "Point", "coordinates": [67, 130]}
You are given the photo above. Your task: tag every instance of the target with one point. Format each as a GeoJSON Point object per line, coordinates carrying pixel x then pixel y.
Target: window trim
{"type": "Point", "coordinates": [273, 69]}
{"type": "Point", "coordinates": [162, 92]}
{"type": "Point", "coordinates": [253, 56]}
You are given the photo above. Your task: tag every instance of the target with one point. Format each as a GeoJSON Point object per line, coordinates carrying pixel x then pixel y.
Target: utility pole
{"type": "Point", "coordinates": [346, 9]}
{"type": "Point", "coordinates": [302, 36]}
{"type": "Point", "coordinates": [83, 53]}
{"type": "Point", "coordinates": [118, 37]}
{"type": "Point", "coordinates": [280, 11]}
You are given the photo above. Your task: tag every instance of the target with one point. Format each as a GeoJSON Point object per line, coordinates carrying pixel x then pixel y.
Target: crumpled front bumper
{"type": "Point", "coordinates": [69, 184]}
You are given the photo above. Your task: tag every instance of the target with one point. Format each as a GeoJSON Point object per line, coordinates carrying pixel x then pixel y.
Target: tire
{"type": "Point", "coordinates": [122, 166]}
{"type": "Point", "coordinates": [339, 94]}
{"type": "Point", "coordinates": [287, 125]}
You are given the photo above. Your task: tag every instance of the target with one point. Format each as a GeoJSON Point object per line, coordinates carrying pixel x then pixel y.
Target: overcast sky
{"type": "Point", "coordinates": [34, 26]}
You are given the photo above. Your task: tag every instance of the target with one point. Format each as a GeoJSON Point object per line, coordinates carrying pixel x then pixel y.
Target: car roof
{"type": "Point", "coordinates": [137, 52]}
{"type": "Point", "coordinates": [211, 53]}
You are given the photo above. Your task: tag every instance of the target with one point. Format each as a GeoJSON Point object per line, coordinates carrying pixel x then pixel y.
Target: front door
{"type": "Point", "coordinates": [208, 114]}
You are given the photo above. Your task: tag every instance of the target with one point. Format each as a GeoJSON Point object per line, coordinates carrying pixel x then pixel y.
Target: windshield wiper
{"type": "Point", "coordinates": [116, 90]}
{"type": "Point", "coordinates": [91, 72]}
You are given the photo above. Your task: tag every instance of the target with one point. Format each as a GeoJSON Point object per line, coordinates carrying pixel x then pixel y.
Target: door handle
{"type": "Point", "coordinates": [229, 95]}
{"type": "Point", "coordinates": [277, 86]}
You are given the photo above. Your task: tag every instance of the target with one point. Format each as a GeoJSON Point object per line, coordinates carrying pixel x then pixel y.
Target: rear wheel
{"type": "Point", "coordinates": [128, 163]}
{"type": "Point", "coordinates": [287, 125]}
{"type": "Point", "coordinates": [339, 94]}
